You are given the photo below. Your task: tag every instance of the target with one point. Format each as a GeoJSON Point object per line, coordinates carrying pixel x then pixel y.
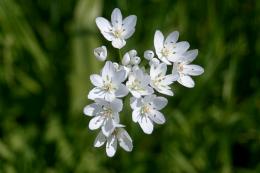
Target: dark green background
{"type": "Point", "coordinates": [46, 57]}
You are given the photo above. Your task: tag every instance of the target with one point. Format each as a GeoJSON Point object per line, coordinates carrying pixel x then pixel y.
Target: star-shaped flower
{"type": "Point", "coordinates": [119, 29]}
{"type": "Point", "coordinates": [138, 83]}
{"type": "Point", "coordinates": [119, 135]}
{"type": "Point", "coordinates": [146, 111]}
{"type": "Point", "coordinates": [108, 85]}
{"type": "Point", "coordinates": [169, 50]}
{"type": "Point", "coordinates": [184, 69]}
{"type": "Point", "coordinates": [159, 80]}
{"type": "Point", "coordinates": [105, 115]}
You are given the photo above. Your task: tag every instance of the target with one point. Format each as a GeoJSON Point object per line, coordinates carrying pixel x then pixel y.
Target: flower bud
{"type": "Point", "coordinates": [148, 54]}
{"type": "Point", "coordinates": [101, 53]}
{"type": "Point", "coordinates": [132, 53]}
{"type": "Point", "coordinates": [154, 61]}
{"type": "Point", "coordinates": [135, 60]}
{"type": "Point", "coordinates": [126, 59]}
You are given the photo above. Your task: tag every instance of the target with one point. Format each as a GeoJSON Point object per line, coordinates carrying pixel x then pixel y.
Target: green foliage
{"type": "Point", "coordinates": [46, 57]}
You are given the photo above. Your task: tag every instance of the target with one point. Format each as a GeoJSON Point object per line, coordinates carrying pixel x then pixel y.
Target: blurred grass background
{"type": "Point", "coordinates": [45, 61]}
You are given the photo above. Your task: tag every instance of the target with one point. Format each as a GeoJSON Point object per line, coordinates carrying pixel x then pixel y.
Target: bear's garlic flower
{"type": "Point", "coordinates": [119, 29]}
{"type": "Point", "coordinates": [141, 77]}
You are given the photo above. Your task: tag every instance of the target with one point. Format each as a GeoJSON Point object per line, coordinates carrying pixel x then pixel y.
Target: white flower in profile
{"type": "Point", "coordinates": [146, 111]}
{"type": "Point", "coordinates": [119, 29]}
{"type": "Point", "coordinates": [108, 85]}
{"type": "Point", "coordinates": [120, 136]}
{"type": "Point", "coordinates": [184, 69]}
{"type": "Point", "coordinates": [138, 83]}
{"type": "Point", "coordinates": [101, 53]}
{"type": "Point", "coordinates": [105, 115]}
{"type": "Point", "coordinates": [160, 81]}
{"type": "Point", "coordinates": [169, 50]}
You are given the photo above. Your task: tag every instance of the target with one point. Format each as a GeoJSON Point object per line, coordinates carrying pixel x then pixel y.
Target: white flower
{"type": "Point", "coordinates": [101, 53]}
{"type": "Point", "coordinates": [160, 81]}
{"type": "Point", "coordinates": [119, 29]}
{"type": "Point", "coordinates": [108, 85]}
{"type": "Point", "coordinates": [148, 54]}
{"type": "Point", "coordinates": [168, 50]}
{"type": "Point", "coordinates": [184, 69]}
{"type": "Point", "coordinates": [105, 115]}
{"type": "Point", "coordinates": [119, 135]}
{"type": "Point", "coordinates": [146, 111]}
{"type": "Point", "coordinates": [138, 82]}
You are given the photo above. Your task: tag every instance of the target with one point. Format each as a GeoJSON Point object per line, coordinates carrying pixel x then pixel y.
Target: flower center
{"type": "Point", "coordinates": [108, 87]}
{"type": "Point", "coordinates": [107, 112]}
{"type": "Point", "coordinates": [118, 32]}
{"type": "Point", "coordinates": [145, 109]}
{"type": "Point", "coordinates": [180, 67]}
{"type": "Point", "coordinates": [136, 85]}
{"type": "Point", "coordinates": [167, 52]}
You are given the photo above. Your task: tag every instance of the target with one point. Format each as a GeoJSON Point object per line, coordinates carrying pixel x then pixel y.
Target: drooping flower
{"type": "Point", "coordinates": [184, 69]}
{"type": "Point", "coordinates": [160, 81]}
{"type": "Point", "coordinates": [105, 115]}
{"type": "Point", "coordinates": [169, 50]}
{"type": "Point", "coordinates": [101, 53]}
{"type": "Point", "coordinates": [146, 111]}
{"type": "Point", "coordinates": [120, 136]}
{"type": "Point", "coordinates": [108, 85]}
{"type": "Point", "coordinates": [138, 83]}
{"type": "Point", "coordinates": [119, 29]}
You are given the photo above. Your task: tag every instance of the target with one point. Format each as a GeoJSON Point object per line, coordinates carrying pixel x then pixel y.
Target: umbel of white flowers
{"type": "Point", "coordinates": [116, 80]}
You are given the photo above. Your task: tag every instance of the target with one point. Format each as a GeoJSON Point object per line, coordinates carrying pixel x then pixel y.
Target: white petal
{"type": "Point", "coordinates": [116, 17]}
{"type": "Point", "coordinates": [103, 24]}
{"type": "Point", "coordinates": [91, 109]}
{"type": "Point", "coordinates": [95, 122]}
{"type": "Point", "coordinates": [165, 91]}
{"type": "Point", "coordinates": [108, 127]}
{"type": "Point", "coordinates": [146, 125]}
{"type": "Point", "coordinates": [189, 56]}
{"type": "Point", "coordinates": [122, 91]}
{"type": "Point", "coordinates": [169, 79]}
{"type": "Point", "coordinates": [172, 38]}
{"type": "Point", "coordinates": [129, 26]}
{"type": "Point", "coordinates": [135, 103]}
{"type": "Point", "coordinates": [148, 54]}
{"type": "Point", "coordinates": [186, 81]}
{"type": "Point", "coordinates": [118, 43]}
{"type": "Point", "coordinates": [100, 140]}
{"type": "Point", "coordinates": [119, 76]}
{"type": "Point", "coordinates": [125, 140]}
{"type": "Point", "coordinates": [111, 146]}
{"type": "Point", "coordinates": [108, 70]}
{"type": "Point", "coordinates": [95, 93]}
{"type": "Point", "coordinates": [96, 80]}
{"type": "Point", "coordinates": [116, 105]}
{"type": "Point", "coordinates": [159, 102]}
{"type": "Point", "coordinates": [165, 60]}
{"type": "Point", "coordinates": [109, 96]}
{"type": "Point", "coordinates": [158, 41]}
{"type": "Point", "coordinates": [182, 46]}
{"type": "Point", "coordinates": [193, 70]}
{"type": "Point", "coordinates": [135, 115]}
{"type": "Point", "coordinates": [157, 117]}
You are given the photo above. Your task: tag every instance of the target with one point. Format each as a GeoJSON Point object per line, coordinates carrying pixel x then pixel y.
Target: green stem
{"type": "Point", "coordinates": [120, 55]}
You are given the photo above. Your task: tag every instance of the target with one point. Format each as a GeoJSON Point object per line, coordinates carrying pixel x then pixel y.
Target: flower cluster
{"type": "Point", "coordinates": [117, 80]}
